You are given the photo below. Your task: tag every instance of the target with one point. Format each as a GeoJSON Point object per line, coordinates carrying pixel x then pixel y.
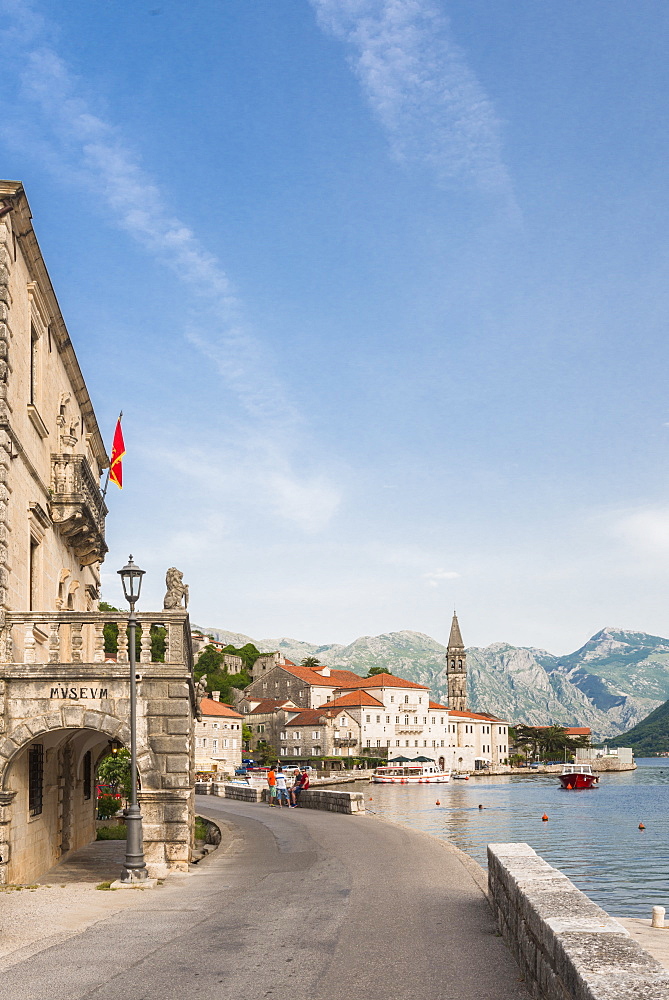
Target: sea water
{"type": "Point", "coordinates": [592, 836]}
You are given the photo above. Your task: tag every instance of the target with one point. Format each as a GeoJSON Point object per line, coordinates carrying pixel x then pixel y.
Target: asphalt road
{"type": "Point", "coordinates": [300, 905]}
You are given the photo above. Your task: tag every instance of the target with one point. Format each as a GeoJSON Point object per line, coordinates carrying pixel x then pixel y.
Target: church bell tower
{"type": "Point", "coordinates": [456, 669]}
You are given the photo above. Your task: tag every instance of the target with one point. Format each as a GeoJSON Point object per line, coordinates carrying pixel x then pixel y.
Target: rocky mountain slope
{"type": "Point", "coordinates": [650, 736]}
{"type": "Point", "coordinates": [610, 684]}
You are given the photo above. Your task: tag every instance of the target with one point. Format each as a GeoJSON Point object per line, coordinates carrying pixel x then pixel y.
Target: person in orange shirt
{"type": "Point", "coordinates": [271, 781]}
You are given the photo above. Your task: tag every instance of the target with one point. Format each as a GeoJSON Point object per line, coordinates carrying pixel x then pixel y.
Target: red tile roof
{"type": "Point", "coordinates": [475, 715]}
{"type": "Point", "coordinates": [210, 707]}
{"type": "Point", "coordinates": [571, 730]}
{"type": "Point", "coordinates": [356, 698]}
{"type": "Point", "coordinates": [337, 678]}
{"type": "Point", "coordinates": [437, 708]}
{"type": "Point", "coordinates": [267, 705]}
{"type": "Point", "coordinates": [311, 716]}
{"type": "Point", "coordinates": [377, 681]}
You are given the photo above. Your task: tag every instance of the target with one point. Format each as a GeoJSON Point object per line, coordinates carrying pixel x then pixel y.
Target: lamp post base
{"type": "Point", "coordinates": [145, 883]}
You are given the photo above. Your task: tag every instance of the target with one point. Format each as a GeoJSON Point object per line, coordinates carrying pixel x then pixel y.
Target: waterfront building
{"type": "Point", "coordinates": [481, 740]}
{"type": "Point", "coordinates": [218, 736]}
{"type": "Point", "coordinates": [63, 700]}
{"type": "Point", "coordinates": [387, 716]}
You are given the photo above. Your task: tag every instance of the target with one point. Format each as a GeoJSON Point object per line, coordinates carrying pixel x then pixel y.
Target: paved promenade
{"type": "Point", "coordinates": [295, 905]}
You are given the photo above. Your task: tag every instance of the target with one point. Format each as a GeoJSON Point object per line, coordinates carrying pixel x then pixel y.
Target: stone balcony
{"type": "Point", "coordinates": [409, 730]}
{"type": "Point", "coordinates": [345, 742]}
{"type": "Point", "coordinates": [77, 507]}
{"type": "Point", "coordinates": [78, 636]}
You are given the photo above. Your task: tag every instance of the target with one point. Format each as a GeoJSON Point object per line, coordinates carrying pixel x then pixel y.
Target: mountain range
{"type": "Point", "coordinates": [610, 684]}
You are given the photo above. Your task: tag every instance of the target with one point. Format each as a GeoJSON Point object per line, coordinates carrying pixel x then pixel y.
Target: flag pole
{"type": "Point", "coordinates": [104, 492]}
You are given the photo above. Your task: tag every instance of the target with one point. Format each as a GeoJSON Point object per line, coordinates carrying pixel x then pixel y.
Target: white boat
{"type": "Point", "coordinates": [410, 773]}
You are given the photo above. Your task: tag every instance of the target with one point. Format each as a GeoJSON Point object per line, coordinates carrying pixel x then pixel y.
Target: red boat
{"type": "Point", "coordinates": [578, 776]}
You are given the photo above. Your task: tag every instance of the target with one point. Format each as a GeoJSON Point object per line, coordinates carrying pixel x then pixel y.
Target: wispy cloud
{"type": "Point", "coordinates": [646, 530]}
{"type": "Point", "coordinates": [437, 576]}
{"type": "Point", "coordinates": [77, 144]}
{"type": "Point", "coordinates": [420, 87]}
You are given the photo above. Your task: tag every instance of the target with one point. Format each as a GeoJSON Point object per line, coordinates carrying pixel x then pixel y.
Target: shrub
{"type": "Point", "coordinates": [112, 832]}
{"type": "Point", "coordinates": [108, 806]}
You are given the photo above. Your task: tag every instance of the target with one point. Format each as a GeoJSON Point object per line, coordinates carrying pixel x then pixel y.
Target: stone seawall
{"type": "Point", "coordinates": [567, 947]}
{"type": "Point", "coordinates": [240, 792]}
{"type": "Point", "coordinates": [317, 798]}
{"type": "Point", "coordinates": [314, 798]}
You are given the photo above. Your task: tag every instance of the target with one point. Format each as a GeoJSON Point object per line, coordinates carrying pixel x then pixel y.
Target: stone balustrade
{"type": "Point", "coordinates": [78, 636]}
{"type": "Point", "coordinates": [567, 947]}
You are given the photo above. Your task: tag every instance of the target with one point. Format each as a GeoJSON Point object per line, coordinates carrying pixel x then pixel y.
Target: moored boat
{"type": "Point", "coordinates": [576, 776]}
{"type": "Point", "coordinates": [420, 772]}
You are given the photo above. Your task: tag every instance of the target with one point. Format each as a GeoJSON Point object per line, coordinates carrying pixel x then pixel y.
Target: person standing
{"type": "Point", "coordinates": [281, 788]}
{"type": "Point", "coordinates": [271, 781]}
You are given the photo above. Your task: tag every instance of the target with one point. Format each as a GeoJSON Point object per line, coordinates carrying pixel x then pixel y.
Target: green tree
{"type": "Point", "coordinates": [247, 735]}
{"type": "Point", "coordinates": [110, 632]}
{"type": "Point", "coordinates": [373, 671]}
{"type": "Point", "coordinates": [210, 661]}
{"type": "Point", "coordinates": [553, 740]}
{"type": "Point", "coordinates": [114, 770]}
{"type": "Point", "coordinates": [265, 753]}
{"type": "Point", "coordinates": [310, 661]}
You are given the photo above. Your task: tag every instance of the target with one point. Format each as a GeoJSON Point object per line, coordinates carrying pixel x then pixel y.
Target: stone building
{"type": "Point", "coordinates": [60, 703]}
{"type": "Point", "coordinates": [307, 686]}
{"type": "Point", "coordinates": [218, 736]}
{"type": "Point", "coordinates": [231, 662]}
{"type": "Point", "coordinates": [265, 719]}
{"type": "Point", "coordinates": [327, 731]}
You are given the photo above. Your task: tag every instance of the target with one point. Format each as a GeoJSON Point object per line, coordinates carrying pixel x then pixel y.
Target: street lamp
{"type": "Point", "coordinates": [135, 867]}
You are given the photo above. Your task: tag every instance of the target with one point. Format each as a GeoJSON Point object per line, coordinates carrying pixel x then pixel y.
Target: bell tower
{"type": "Point", "coordinates": [456, 669]}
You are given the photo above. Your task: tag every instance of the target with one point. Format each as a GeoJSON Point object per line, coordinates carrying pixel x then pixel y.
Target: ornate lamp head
{"type": "Point", "coordinates": [131, 578]}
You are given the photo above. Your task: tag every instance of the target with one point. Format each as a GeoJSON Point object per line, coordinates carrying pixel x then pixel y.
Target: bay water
{"type": "Point", "coordinates": [592, 836]}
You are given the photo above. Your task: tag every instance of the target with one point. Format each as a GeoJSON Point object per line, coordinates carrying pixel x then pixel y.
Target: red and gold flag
{"type": "Point", "coordinates": [117, 453]}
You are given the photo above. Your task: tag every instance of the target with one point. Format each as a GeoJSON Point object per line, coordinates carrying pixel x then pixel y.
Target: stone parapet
{"type": "Point", "coordinates": [567, 947]}
{"type": "Point", "coordinates": [331, 801]}
{"type": "Point", "coordinates": [241, 792]}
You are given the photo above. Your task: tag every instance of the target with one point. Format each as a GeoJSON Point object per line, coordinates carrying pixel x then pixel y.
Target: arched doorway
{"type": "Point", "coordinates": [442, 764]}
{"type": "Point", "coordinates": [49, 785]}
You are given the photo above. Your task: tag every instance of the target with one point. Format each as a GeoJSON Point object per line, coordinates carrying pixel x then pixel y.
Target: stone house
{"type": "Point", "coordinates": [307, 686]}
{"type": "Point", "coordinates": [266, 719]}
{"type": "Point", "coordinates": [61, 703]}
{"type": "Point", "coordinates": [328, 731]}
{"type": "Point", "coordinates": [218, 736]}
{"type": "Point", "coordinates": [231, 662]}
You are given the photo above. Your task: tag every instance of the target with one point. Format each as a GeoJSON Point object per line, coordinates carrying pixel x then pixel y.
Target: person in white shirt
{"type": "Point", "coordinates": [281, 788]}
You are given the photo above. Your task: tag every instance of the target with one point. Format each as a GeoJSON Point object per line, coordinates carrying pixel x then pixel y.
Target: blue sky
{"type": "Point", "coordinates": [381, 288]}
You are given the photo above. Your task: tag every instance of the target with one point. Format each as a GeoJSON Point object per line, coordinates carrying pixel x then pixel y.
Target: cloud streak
{"type": "Point", "coordinates": [77, 144]}
{"type": "Point", "coordinates": [421, 89]}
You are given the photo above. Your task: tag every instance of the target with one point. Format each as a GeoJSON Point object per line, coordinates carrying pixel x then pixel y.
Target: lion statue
{"type": "Point", "coordinates": [177, 590]}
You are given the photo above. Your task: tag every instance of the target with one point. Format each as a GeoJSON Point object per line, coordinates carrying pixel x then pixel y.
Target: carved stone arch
{"type": "Point", "coordinates": [77, 717]}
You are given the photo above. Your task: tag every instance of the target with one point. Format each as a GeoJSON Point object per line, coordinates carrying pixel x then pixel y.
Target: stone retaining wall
{"type": "Point", "coordinates": [317, 798]}
{"type": "Point", "coordinates": [241, 792]}
{"type": "Point", "coordinates": [567, 947]}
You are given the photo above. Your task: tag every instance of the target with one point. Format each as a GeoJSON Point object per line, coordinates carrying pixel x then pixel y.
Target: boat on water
{"type": "Point", "coordinates": [419, 772]}
{"type": "Point", "coordinates": [578, 776]}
